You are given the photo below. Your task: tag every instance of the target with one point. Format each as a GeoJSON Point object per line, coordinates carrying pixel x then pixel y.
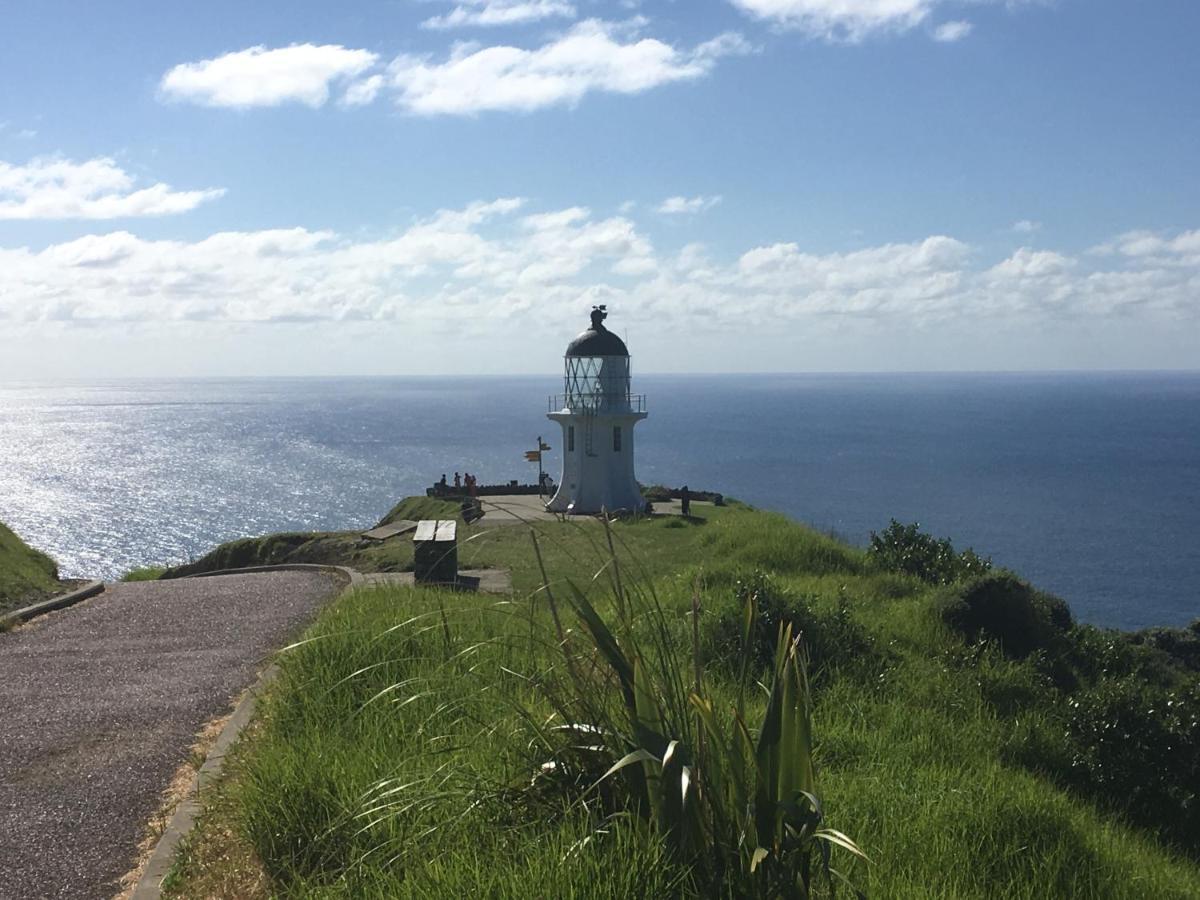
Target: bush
{"type": "Point", "coordinates": [905, 548]}
{"type": "Point", "coordinates": [1138, 748]}
{"type": "Point", "coordinates": [833, 639]}
{"type": "Point", "coordinates": [1181, 644]}
{"type": "Point", "coordinates": [1002, 608]}
{"type": "Point", "coordinates": [1104, 653]}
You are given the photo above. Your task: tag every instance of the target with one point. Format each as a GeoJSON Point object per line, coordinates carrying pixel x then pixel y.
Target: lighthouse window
{"type": "Point", "coordinates": [616, 439]}
{"type": "Point", "coordinates": [570, 438]}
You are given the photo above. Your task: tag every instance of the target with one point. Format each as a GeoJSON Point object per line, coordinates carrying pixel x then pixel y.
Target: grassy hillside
{"type": "Point", "coordinates": [325, 547]}
{"type": "Point", "coordinates": [970, 737]}
{"type": "Point", "coordinates": [26, 575]}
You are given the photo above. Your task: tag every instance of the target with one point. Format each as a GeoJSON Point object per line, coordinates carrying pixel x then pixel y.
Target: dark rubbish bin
{"type": "Point", "coordinates": [435, 552]}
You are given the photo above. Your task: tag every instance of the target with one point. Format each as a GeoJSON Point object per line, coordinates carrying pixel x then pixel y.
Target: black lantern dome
{"type": "Point", "coordinates": [595, 342]}
{"type": "Point", "coordinates": [596, 369]}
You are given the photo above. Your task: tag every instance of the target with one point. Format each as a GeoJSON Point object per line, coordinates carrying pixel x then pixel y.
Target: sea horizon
{"type": "Point", "coordinates": [1039, 470]}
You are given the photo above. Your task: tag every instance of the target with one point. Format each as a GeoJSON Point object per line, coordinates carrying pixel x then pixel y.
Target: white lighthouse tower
{"type": "Point", "coordinates": [597, 413]}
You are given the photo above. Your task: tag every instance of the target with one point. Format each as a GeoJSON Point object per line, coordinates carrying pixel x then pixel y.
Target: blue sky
{"type": "Point", "coordinates": [428, 186]}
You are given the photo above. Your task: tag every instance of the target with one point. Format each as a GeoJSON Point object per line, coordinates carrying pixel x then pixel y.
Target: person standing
{"type": "Point", "coordinates": [457, 481]}
{"type": "Point", "coordinates": [685, 502]}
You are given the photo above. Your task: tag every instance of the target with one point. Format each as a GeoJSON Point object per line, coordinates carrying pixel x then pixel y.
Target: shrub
{"type": "Point", "coordinates": [1137, 747]}
{"type": "Point", "coordinates": [1182, 645]}
{"type": "Point", "coordinates": [833, 639]}
{"type": "Point", "coordinates": [1002, 608]}
{"type": "Point", "coordinates": [905, 548]}
{"type": "Point", "coordinates": [1102, 653]}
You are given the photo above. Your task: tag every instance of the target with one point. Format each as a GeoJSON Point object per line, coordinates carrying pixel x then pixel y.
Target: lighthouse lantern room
{"type": "Point", "coordinates": [597, 413]}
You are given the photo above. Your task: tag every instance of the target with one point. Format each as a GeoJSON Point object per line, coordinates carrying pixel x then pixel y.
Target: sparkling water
{"type": "Point", "coordinates": [1088, 485]}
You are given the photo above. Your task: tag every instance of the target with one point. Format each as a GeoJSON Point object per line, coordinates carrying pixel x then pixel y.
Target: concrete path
{"type": "Point", "coordinates": [513, 509]}
{"type": "Point", "coordinates": [675, 507]}
{"type": "Point", "coordinates": [101, 703]}
{"type": "Point", "coordinates": [384, 532]}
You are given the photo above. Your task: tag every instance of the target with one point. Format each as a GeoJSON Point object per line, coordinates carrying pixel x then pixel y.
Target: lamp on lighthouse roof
{"type": "Point", "coordinates": [597, 411]}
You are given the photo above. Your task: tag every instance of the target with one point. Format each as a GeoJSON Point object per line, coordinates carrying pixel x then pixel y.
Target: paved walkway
{"type": "Point", "coordinates": [101, 703]}
{"type": "Point", "coordinates": [513, 509]}
{"type": "Point", "coordinates": [675, 507]}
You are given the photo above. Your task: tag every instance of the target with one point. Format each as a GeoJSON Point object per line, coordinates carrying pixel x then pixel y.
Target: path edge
{"type": "Point", "coordinates": [183, 817]}
{"type": "Point", "coordinates": [62, 601]}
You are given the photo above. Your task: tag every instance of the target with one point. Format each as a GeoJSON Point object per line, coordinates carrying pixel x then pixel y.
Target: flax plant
{"type": "Point", "coordinates": [732, 795]}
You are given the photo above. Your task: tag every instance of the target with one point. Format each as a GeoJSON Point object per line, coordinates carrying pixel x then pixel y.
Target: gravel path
{"type": "Point", "coordinates": [100, 704]}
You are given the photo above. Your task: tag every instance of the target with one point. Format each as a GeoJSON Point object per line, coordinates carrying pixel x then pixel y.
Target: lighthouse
{"type": "Point", "coordinates": [597, 413]}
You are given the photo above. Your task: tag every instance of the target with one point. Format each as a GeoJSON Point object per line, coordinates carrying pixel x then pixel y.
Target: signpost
{"type": "Point", "coordinates": [536, 456]}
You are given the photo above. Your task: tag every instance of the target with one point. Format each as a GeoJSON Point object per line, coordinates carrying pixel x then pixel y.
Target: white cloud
{"type": "Point", "coordinates": [949, 32]}
{"type": "Point", "coordinates": [48, 188]}
{"type": "Point", "coordinates": [847, 20]}
{"type": "Point", "coordinates": [591, 56]}
{"type": "Point", "coordinates": [1026, 226]}
{"type": "Point", "coordinates": [674, 206]}
{"type": "Point", "coordinates": [500, 12]}
{"type": "Point", "coordinates": [1183, 249]}
{"type": "Point", "coordinates": [493, 262]}
{"type": "Point", "coordinates": [23, 134]}
{"type": "Point", "coordinates": [364, 91]}
{"type": "Point", "coordinates": [1027, 263]}
{"type": "Point", "coordinates": [300, 73]}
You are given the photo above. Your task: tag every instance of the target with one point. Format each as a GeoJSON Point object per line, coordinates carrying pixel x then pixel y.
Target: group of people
{"type": "Point", "coordinates": [465, 480]}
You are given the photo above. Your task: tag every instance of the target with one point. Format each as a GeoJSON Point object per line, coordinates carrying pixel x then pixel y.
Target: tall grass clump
{"type": "Point", "coordinates": [725, 781]}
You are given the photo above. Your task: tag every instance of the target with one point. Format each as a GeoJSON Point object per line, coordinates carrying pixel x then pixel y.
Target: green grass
{"type": "Point", "coordinates": [144, 573]}
{"type": "Point", "coordinates": [416, 508]}
{"type": "Point", "coordinates": [427, 692]}
{"type": "Point", "coordinates": [481, 545]}
{"type": "Point", "coordinates": [26, 575]}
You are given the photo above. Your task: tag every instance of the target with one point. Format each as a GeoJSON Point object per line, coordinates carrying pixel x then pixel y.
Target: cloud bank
{"type": "Point", "coordinates": [496, 261]}
{"type": "Point", "coordinates": [51, 188]}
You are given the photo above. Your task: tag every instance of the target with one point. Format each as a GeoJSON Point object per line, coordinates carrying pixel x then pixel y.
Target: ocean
{"type": "Point", "coordinates": [1086, 484]}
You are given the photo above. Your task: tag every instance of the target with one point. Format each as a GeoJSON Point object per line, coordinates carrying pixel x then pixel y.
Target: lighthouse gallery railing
{"type": "Point", "coordinates": [598, 402]}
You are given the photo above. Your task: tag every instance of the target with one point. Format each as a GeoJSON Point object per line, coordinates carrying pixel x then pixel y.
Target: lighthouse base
{"type": "Point", "coordinates": [597, 464]}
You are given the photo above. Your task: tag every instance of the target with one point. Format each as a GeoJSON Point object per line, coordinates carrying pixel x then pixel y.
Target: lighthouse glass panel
{"type": "Point", "coordinates": [597, 382]}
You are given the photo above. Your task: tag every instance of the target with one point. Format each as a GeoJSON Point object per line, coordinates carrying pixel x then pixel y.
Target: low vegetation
{"type": "Point", "coordinates": [905, 548]}
{"type": "Point", "coordinates": [144, 573]}
{"type": "Point", "coordinates": [26, 575]}
{"type": "Point", "coordinates": [348, 548]}
{"type": "Point", "coordinates": [610, 731]}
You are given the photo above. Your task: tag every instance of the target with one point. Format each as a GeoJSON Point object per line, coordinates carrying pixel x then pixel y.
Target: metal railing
{"type": "Point", "coordinates": [597, 402]}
